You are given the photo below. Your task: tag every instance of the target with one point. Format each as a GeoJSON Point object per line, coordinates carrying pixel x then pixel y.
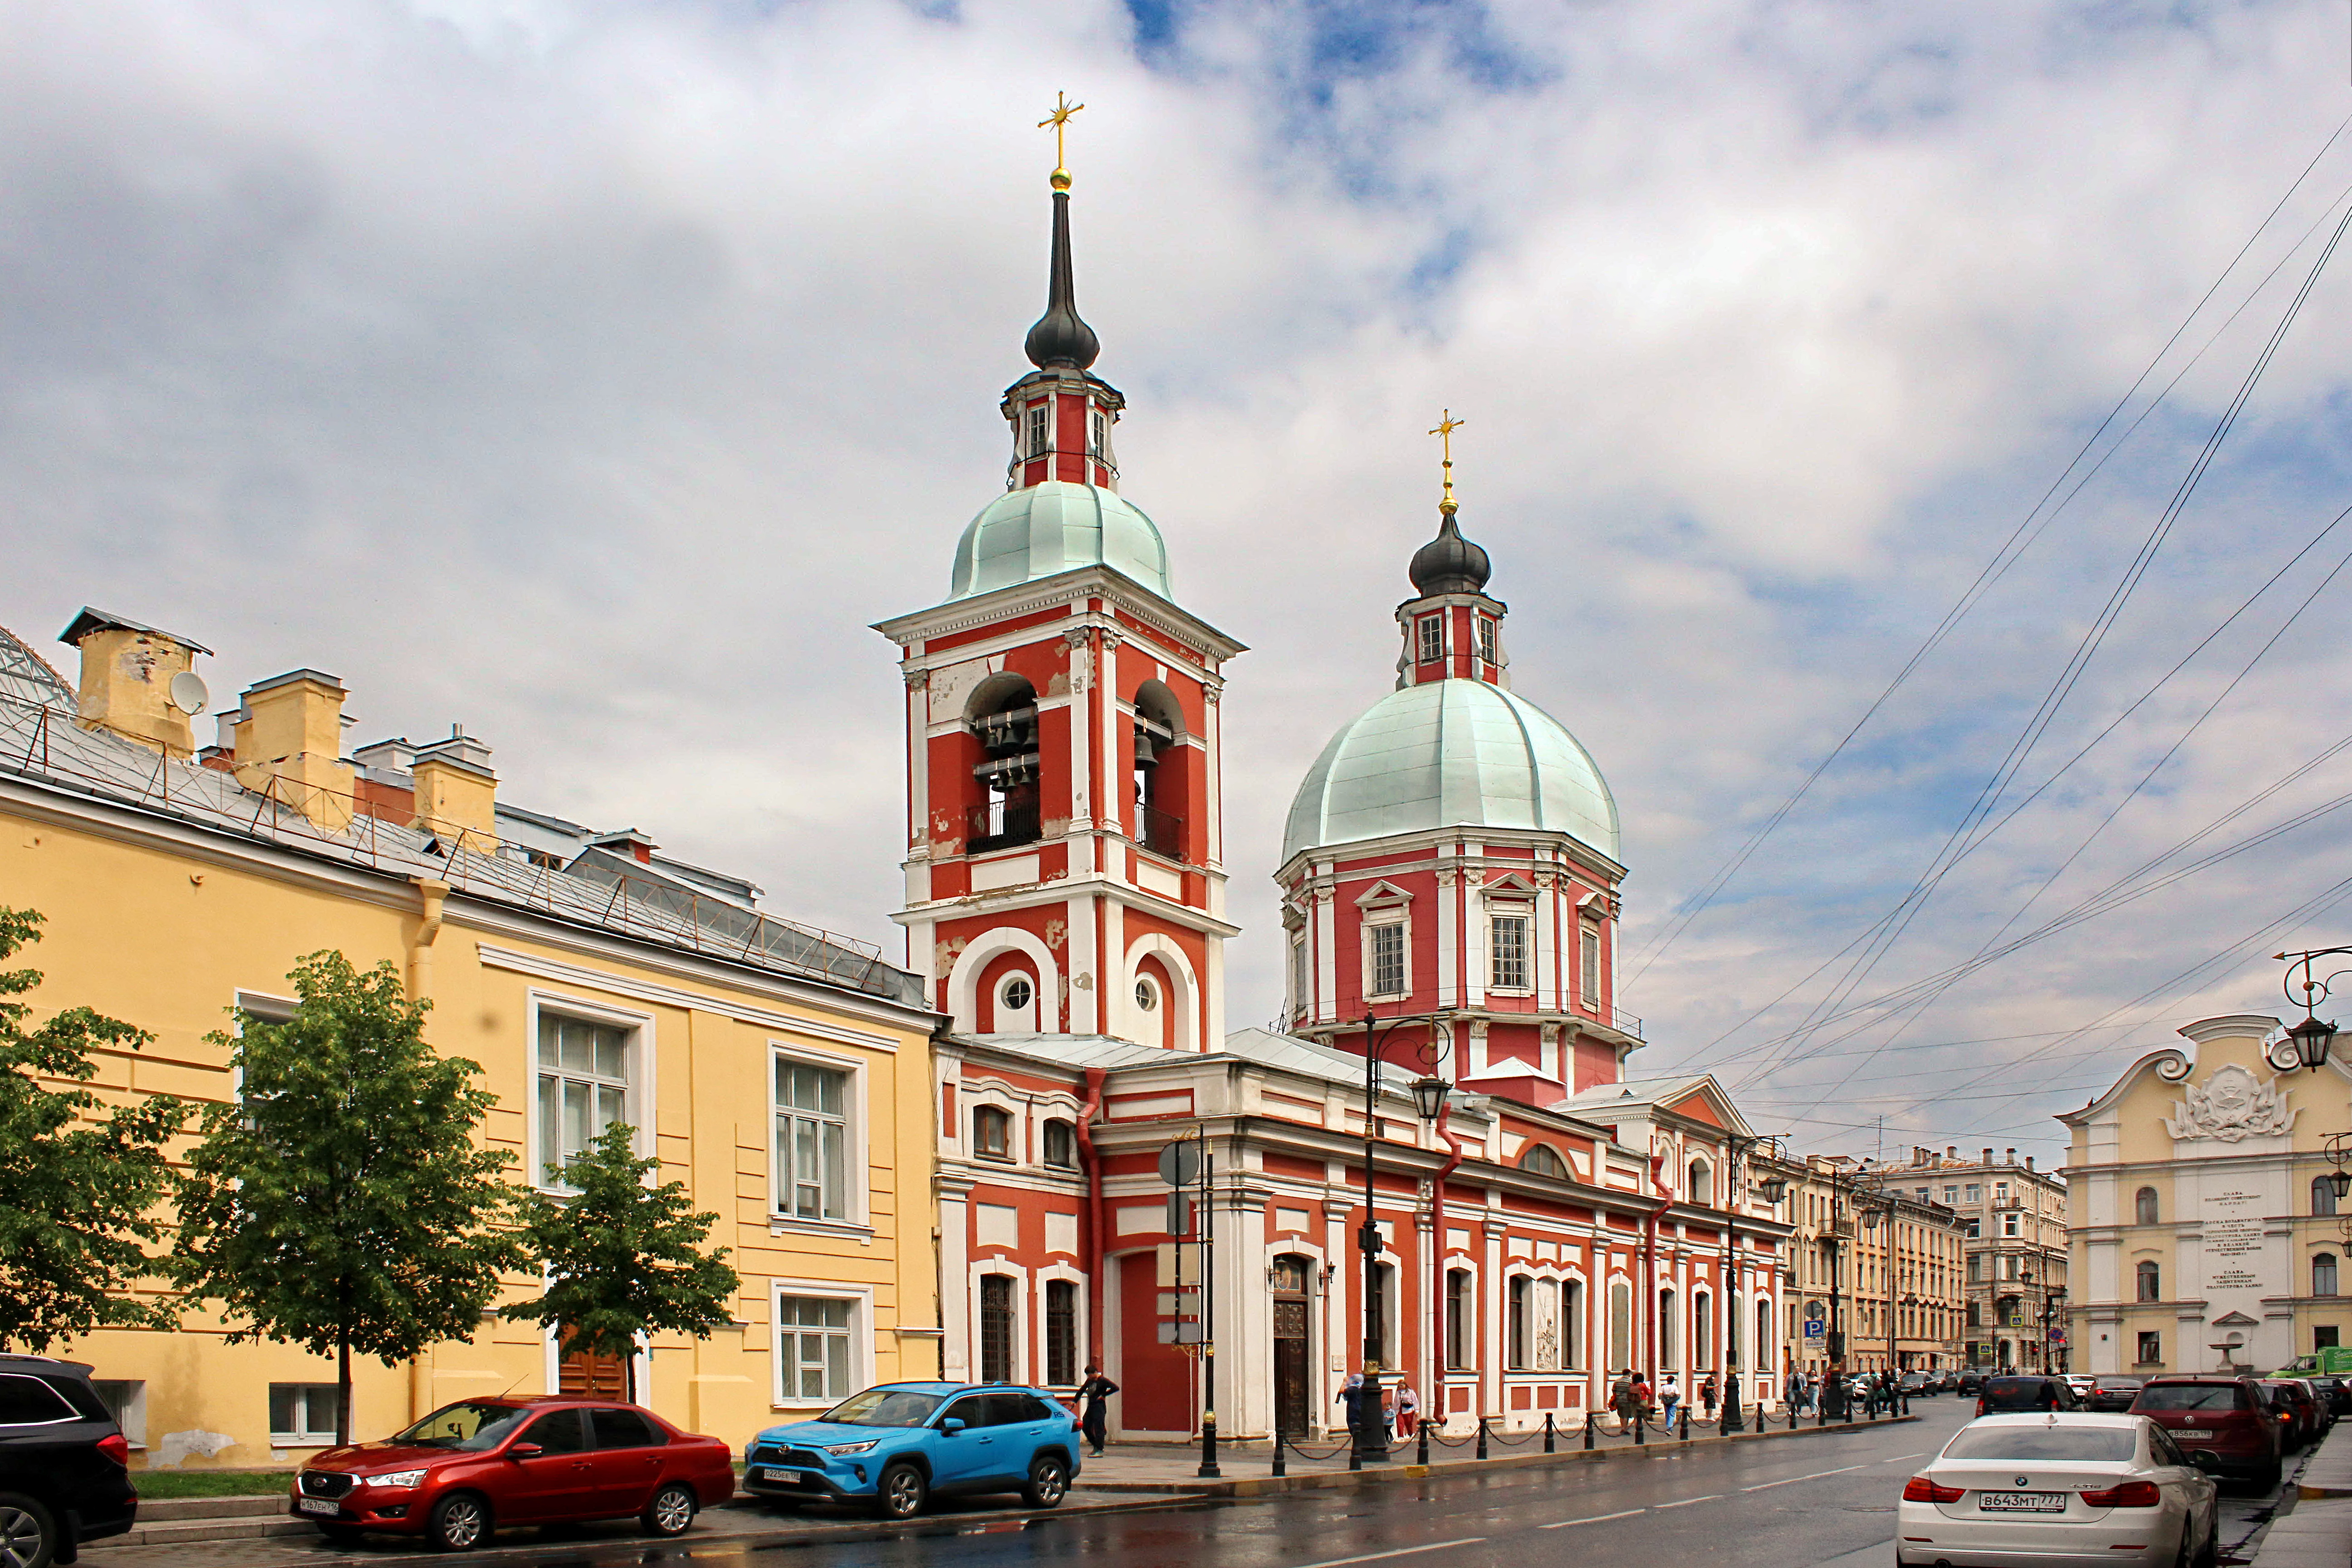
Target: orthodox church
{"type": "Point", "coordinates": [1532, 1219]}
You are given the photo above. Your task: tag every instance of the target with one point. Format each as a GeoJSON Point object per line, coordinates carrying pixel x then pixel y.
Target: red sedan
{"type": "Point", "coordinates": [475, 1466]}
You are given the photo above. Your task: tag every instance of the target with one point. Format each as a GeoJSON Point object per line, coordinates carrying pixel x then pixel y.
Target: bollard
{"type": "Point", "coordinates": [1548, 1447]}
{"type": "Point", "coordinates": [1280, 1438]}
{"type": "Point", "coordinates": [1638, 1427]}
{"type": "Point", "coordinates": [1792, 1415]}
{"type": "Point", "coordinates": [1588, 1429]}
{"type": "Point", "coordinates": [1482, 1436]}
{"type": "Point", "coordinates": [1355, 1449]}
{"type": "Point", "coordinates": [1682, 1415]}
{"type": "Point", "coordinates": [1420, 1431]}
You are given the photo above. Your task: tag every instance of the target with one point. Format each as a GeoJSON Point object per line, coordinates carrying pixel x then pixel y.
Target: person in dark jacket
{"type": "Point", "coordinates": [1093, 1396]}
{"type": "Point", "coordinates": [1352, 1396]}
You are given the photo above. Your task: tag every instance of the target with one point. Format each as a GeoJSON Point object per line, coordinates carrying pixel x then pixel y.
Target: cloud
{"type": "Point", "coordinates": [592, 373]}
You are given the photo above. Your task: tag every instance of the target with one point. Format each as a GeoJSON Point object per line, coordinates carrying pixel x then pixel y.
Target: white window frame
{"type": "Point", "coordinates": [1428, 638]}
{"type": "Point", "coordinates": [1489, 643]}
{"type": "Point", "coordinates": [310, 1436]}
{"type": "Point", "coordinates": [641, 1058]}
{"type": "Point", "coordinates": [1029, 1012]}
{"type": "Point", "coordinates": [1040, 438]}
{"type": "Point", "coordinates": [131, 1415]}
{"type": "Point", "coordinates": [861, 1338]}
{"type": "Point", "coordinates": [1402, 925]}
{"type": "Point", "coordinates": [856, 1115]}
{"type": "Point", "coordinates": [1588, 965]}
{"type": "Point", "coordinates": [1525, 915]}
{"type": "Point", "coordinates": [1146, 987]}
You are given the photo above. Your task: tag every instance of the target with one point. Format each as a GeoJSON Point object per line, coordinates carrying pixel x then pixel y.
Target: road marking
{"type": "Point", "coordinates": [1399, 1551]}
{"type": "Point", "coordinates": [1596, 1519]}
{"type": "Point", "coordinates": [1686, 1502]}
{"type": "Point", "coordinates": [1816, 1474]}
{"type": "Point", "coordinates": [1900, 1458]}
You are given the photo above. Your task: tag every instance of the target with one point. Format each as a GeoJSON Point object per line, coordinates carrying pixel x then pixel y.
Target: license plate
{"type": "Point", "coordinates": [785, 1478]}
{"type": "Point", "coordinates": [2021, 1503]}
{"type": "Point", "coordinates": [2194, 1437]}
{"type": "Point", "coordinates": [318, 1505]}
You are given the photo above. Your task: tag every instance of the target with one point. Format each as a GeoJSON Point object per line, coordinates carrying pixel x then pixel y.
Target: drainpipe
{"type": "Point", "coordinates": [1094, 1260]}
{"type": "Point", "coordinates": [1436, 1384]}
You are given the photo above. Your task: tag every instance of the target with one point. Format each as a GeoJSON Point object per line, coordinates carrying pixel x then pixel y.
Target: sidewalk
{"type": "Point", "coordinates": [2317, 1531]}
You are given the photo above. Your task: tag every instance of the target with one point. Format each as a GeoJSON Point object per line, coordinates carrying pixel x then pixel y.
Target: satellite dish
{"type": "Point", "coordinates": [188, 693]}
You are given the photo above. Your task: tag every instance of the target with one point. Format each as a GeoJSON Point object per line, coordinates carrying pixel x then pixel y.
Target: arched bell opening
{"type": "Point", "coordinates": [1002, 807]}
{"type": "Point", "coordinates": [1162, 780]}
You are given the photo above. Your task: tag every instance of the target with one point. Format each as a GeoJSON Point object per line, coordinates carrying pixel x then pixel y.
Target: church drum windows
{"type": "Point", "coordinates": [1384, 969]}
{"type": "Point", "coordinates": [1431, 632]}
{"type": "Point", "coordinates": [1507, 943]}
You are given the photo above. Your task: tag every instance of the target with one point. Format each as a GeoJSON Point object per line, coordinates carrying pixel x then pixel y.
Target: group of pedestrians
{"type": "Point", "coordinates": [1393, 1416]}
{"type": "Point", "coordinates": [1807, 1395]}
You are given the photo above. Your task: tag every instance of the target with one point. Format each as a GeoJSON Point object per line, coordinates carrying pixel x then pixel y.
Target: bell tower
{"type": "Point", "coordinates": [1065, 845]}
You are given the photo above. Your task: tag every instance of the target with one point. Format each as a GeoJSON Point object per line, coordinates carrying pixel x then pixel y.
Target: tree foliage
{"type": "Point", "coordinates": [342, 1204]}
{"type": "Point", "coordinates": [77, 1191]}
{"type": "Point", "coordinates": [623, 1257]}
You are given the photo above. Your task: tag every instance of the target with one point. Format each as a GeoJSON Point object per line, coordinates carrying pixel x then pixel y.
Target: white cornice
{"type": "Point", "coordinates": [1079, 583]}
{"type": "Point", "coordinates": [700, 1001]}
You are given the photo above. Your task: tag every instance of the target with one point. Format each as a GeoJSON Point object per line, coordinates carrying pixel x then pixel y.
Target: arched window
{"type": "Point", "coordinates": [991, 1132]}
{"type": "Point", "coordinates": [2322, 1274]}
{"type": "Point", "coordinates": [1159, 771]}
{"type": "Point", "coordinates": [1702, 1330]}
{"type": "Point", "coordinates": [2144, 1206]}
{"type": "Point", "coordinates": [1542, 1160]}
{"type": "Point", "coordinates": [1002, 717]}
{"type": "Point", "coordinates": [1701, 1183]}
{"type": "Point", "coordinates": [2151, 1284]}
{"type": "Point", "coordinates": [1670, 1336]}
{"type": "Point", "coordinates": [1515, 1323]}
{"type": "Point", "coordinates": [1459, 1306]}
{"type": "Point", "coordinates": [1061, 1145]}
{"type": "Point", "coordinates": [2322, 1195]}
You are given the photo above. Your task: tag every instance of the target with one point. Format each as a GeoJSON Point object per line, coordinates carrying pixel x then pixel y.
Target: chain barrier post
{"type": "Point", "coordinates": [1588, 1430]}
{"type": "Point", "coordinates": [1548, 1433]}
{"type": "Point", "coordinates": [1355, 1447]}
{"type": "Point", "coordinates": [1638, 1426]}
{"type": "Point", "coordinates": [1420, 1430]}
{"type": "Point", "coordinates": [1281, 1438]}
{"type": "Point", "coordinates": [1682, 1414]}
{"type": "Point", "coordinates": [1482, 1436]}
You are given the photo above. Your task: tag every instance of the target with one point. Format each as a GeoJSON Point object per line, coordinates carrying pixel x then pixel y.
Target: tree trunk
{"type": "Point", "coordinates": [343, 1392]}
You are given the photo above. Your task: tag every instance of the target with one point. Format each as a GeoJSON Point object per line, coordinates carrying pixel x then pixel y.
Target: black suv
{"type": "Point", "coordinates": [63, 1478]}
{"type": "Point", "coordinates": [2010, 1392]}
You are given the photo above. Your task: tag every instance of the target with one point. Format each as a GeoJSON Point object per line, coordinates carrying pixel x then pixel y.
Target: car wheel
{"type": "Point", "coordinates": [2209, 1555]}
{"type": "Point", "coordinates": [1049, 1481]}
{"type": "Point", "coordinates": [901, 1492]}
{"type": "Point", "coordinates": [28, 1533]}
{"type": "Point", "coordinates": [460, 1522]}
{"type": "Point", "coordinates": [671, 1512]}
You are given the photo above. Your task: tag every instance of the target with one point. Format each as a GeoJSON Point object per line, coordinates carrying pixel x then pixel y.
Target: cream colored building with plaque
{"type": "Point", "coordinates": [2205, 1234]}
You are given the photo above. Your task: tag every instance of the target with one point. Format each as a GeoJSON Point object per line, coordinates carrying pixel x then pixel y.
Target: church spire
{"type": "Point", "coordinates": [1449, 564]}
{"type": "Point", "coordinates": [1061, 340]}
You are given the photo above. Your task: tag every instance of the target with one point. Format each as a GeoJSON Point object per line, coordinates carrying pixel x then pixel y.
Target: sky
{"type": "Point", "coordinates": [593, 372]}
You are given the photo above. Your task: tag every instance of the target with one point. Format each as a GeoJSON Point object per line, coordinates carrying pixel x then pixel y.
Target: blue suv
{"type": "Point", "coordinates": [898, 1444]}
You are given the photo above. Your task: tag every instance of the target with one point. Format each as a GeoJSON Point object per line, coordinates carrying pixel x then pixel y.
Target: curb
{"type": "Point", "coordinates": [1267, 1486]}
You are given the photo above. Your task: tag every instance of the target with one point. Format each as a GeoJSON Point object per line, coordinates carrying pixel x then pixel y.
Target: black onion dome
{"type": "Point", "coordinates": [1450, 563]}
{"type": "Point", "coordinates": [1061, 340]}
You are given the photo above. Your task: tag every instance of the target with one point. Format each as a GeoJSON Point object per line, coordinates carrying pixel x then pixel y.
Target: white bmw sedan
{"type": "Point", "coordinates": [2060, 1487]}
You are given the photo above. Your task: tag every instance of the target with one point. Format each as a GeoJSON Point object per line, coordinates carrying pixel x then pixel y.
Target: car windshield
{"type": "Point", "coordinates": [2188, 1396]}
{"type": "Point", "coordinates": [884, 1407]}
{"type": "Point", "coordinates": [2005, 1442]}
{"type": "Point", "coordinates": [472, 1425]}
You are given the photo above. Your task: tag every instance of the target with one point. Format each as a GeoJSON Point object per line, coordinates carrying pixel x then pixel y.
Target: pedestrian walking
{"type": "Point", "coordinates": [1794, 1395]}
{"type": "Point", "coordinates": [1623, 1400]}
{"type": "Point", "coordinates": [1706, 1396]}
{"type": "Point", "coordinates": [1669, 1395]}
{"type": "Point", "coordinates": [1408, 1409]}
{"type": "Point", "coordinates": [1812, 1394]}
{"type": "Point", "coordinates": [1093, 1396]}
{"type": "Point", "coordinates": [1645, 1399]}
{"type": "Point", "coordinates": [1352, 1396]}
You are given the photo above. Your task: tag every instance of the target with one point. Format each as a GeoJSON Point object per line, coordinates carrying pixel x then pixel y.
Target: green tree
{"type": "Point", "coordinates": [342, 1204]}
{"type": "Point", "coordinates": [77, 1191]}
{"type": "Point", "coordinates": [623, 1257]}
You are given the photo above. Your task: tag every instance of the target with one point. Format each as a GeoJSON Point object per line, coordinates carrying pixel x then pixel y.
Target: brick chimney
{"type": "Point", "coordinates": [289, 744]}
{"type": "Point", "coordinates": [127, 671]}
{"type": "Point", "coordinates": [456, 793]}
{"type": "Point", "coordinates": [1988, 1159]}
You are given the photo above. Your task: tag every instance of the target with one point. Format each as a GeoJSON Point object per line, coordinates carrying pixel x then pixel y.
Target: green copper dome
{"type": "Point", "coordinates": [1451, 754]}
{"type": "Point", "coordinates": [1028, 534]}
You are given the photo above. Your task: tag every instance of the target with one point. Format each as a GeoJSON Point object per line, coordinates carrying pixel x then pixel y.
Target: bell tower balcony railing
{"type": "Point", "coordinates": [1161, 832]}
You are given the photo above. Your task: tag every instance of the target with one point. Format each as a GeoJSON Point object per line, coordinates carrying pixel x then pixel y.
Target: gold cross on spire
{"type": "Point", "coordinates": [1446, 426]}
{"type": "Point", "coordinates": [1060, 120]}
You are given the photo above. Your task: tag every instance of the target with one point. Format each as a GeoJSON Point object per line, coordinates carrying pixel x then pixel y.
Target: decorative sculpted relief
{"type": "Point", "coordinates": [1547, 1305]}
{"type": "Point", "coordinates": [2232, 1105]}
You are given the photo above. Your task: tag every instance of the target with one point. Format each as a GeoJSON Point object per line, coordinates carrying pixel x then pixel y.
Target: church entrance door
{"type": "Point", "coordinates": [1291, 1405]}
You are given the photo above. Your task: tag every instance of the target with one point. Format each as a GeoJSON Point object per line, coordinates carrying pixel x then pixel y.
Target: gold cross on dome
{"type": "Point", "coordinates": [1446, 426]}
{"type": "Point", "coordinates": [1060, 120]}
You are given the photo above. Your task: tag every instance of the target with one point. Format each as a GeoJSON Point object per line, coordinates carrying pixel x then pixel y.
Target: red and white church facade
{"type": "Point", "coordinates": [1450, 888]}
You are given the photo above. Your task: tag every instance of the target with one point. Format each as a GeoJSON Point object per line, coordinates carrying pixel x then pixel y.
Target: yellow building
{"type": "Point", "coordinates": [782, 1074]}
{"type": "Point", "coordinates": [2205, 1231]}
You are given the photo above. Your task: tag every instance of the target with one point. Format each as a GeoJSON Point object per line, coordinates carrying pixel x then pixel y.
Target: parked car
{"type": "Point", "coordinates": [2216, 1414]}
{"type": "Point", "coordinates": [898, 1445]}
{"type": "Point", "coordinates": [2291, 1400]}
{"type": "Point", "coordinates": [2113, 1391]}
{"type": "Point", "coordinates": [479, 1465]}
{"type": "Point", "coordinates": [64, 1474]}
{"type": "Point", "coordinates": [2081, 1383]}
{"type": "Point", "coordinates": [1970, 1381]}
{"type": "Point", "coordinates": [2024, 1393]}
{"type": "Point", "coordinates": [1948, 1380]}
{"type": "Point", "coordinates": [2063, 1488]}
{"type": "Point", "coordinates": [2335, 1393]}
{"type": "Point", "coordinates": [1919, 1384]}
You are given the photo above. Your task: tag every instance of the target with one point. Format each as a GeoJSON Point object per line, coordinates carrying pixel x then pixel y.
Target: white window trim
{"type": "Point", "coordinates": [862, 1335]}
{"type": "Point", "coordinates": [1031, 1009]}
{"type": "Point", "coordinates": [1047, 1274]}
{"type": "Point", "coordinates": [1403, 922]}
{"type": "Point", "coordinates": [855, 1116]}
{"type": "Point", "coordinates": [306, 1439]}
{"type": "Point", "coordinates": [1022, 1325]}
{"type": "Point", "coordinates": [641, 1075]}
{"type": "Point", "coordinates": [1518, 910]}
{"type": "Point", "coordinates": [1420, 654]}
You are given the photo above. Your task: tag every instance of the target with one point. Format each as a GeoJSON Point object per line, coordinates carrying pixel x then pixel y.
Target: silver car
{"type": "Point", "coordinates": [2060, 1487]}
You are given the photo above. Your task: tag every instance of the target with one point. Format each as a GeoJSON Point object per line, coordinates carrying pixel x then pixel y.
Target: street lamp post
{"type": "Point", "coordinates": [1369, 1447]}
{"type": "Point", "coordinates": [1773, 1189]}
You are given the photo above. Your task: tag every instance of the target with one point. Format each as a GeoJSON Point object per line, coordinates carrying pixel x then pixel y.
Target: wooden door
{"type": "Point", "coordinates": [1290, 1402]}
{"type": "Point", "coordinates": [586, 1375]}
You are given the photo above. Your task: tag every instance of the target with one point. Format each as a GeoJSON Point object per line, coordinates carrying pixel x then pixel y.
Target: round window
{"type": "Point", "coordinates": [1147, 994]}
{"type": "Point", "coordinates": [1016, 992]}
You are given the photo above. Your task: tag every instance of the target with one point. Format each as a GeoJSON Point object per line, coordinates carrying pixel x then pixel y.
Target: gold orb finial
{"type": "Point", "coordinates": [1060, 120]}
{"type": "Point", "coordinates": [1446, 426]}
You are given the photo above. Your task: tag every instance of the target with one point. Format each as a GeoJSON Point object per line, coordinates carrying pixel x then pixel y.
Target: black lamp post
{"type": "Point", "coordinates": [1772, 1189]}
{"type": "Point", "coordinates": [1369, 1448]}
{"type": "Point", "coordinates": [2308, 1042]}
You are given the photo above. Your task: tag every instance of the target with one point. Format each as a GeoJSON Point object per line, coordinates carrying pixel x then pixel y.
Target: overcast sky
{"type": "Point", "coordinates": [592, 373]}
